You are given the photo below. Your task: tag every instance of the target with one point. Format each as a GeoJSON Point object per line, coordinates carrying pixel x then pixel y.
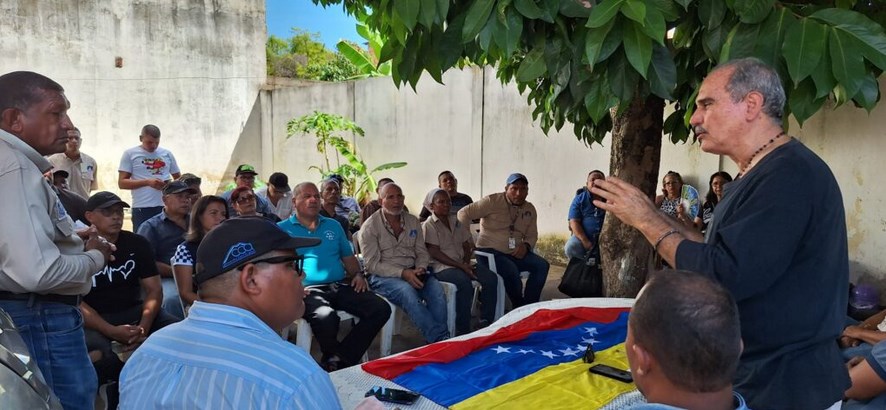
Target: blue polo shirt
{"type": "Point", "coordinates": [163, 234]}
{"type": "Point", "coordinates": [322, 263]}
{"type": "Point", "coordinates": [583, 209]}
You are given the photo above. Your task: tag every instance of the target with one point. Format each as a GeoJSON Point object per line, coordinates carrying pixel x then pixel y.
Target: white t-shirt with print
{"type": "Point", "coordinates": [142, 164]}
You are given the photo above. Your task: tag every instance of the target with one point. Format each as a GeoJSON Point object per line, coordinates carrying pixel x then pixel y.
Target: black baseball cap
{"type": "Point", "coordinates": [61, 172]}
{"type": "Point", "coordinates": [280, 181]}
{"type": "Point", "coordinates": [175, 187]}
{"type": "Point", "coordinates": [190, 179]}
{"type": "Point", "coordinates": [103, 199]}
{"type": "Point", "coordinates": [237, 241]}
{"type": "Point", "coordinates": [245, 169]}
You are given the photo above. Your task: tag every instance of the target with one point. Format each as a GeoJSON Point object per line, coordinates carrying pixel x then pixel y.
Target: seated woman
{"type": "Point", "coordinates": [244, 204]}
{"type": "Point", "coordinates": [207, 213]}
{"type": "Point", "coordinates": [715, 195]}
{"type": "Point", "coordinates": [674, 203]}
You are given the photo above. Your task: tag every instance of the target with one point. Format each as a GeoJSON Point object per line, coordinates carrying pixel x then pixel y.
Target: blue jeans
{"type": "Point", "coordinates": [172, 303]}
{"type": "Point", "coordinates": [464, 295]}
{"type": "Point", "coordinates": [574, 248]}
{"type": "Point", "coordinates": [509, 268]}
{"type": "Point", "coordinates": [430, 316]}
{"type": "Point", "coordinates": [140, 215]}
{"type": "Point", "coordinates": [54, 335]}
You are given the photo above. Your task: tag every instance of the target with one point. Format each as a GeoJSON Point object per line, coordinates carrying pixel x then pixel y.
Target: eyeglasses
{"type": "Point", "coordinates": [294, 262]}
{"type": "Point", "coordinates": [112, 211]}
{"type": "Point", "coordinates": [245, 199]}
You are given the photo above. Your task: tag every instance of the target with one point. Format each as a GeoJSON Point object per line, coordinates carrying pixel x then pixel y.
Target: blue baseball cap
{"type": "Point", "coordinates": [517, 177]}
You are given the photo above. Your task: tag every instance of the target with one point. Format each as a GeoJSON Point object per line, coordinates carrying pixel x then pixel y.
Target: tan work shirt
{"type": "Point", "coordinates": [497, 215]}
{"type": "Point", "coordinates": [39, 251]}
{"type": "Point", "coordinates": [450, 241]}
{"type": "Point", "coordinates": [387, 255]}
{"type": "Point", "coordinates": [81, 172]}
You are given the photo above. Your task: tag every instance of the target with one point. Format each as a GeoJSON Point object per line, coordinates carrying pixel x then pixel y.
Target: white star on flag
{"type": "Point", "coordinates": [590, 341]}
{"type": "Point", "coordinates": [591, 331]}
{"type": "Point", "coordinates": [524, 351]}
{"type": "Point", "coordinates": [548, 354]}
{"type": "Point", "coordinates": [500, 349]}
{"type": "Point", "coordinates": [569, 352]}
{"type": "Point", "coordinates": [581, 347]}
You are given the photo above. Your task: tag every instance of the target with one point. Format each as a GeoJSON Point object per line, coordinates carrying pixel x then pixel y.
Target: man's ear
{"type": "Point", "coordinates": [249, 281]}
{"type": "Point", "coordinates": [88, 216]}
{"type": "Point", "coordinates": [10, 120]}
{"type": "Point", "coordinates": [755, 103]}
{"type": "Point", "coordinates": [642, 360]}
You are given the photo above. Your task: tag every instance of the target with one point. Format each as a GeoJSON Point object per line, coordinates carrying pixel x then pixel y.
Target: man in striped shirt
{"type": "Point", "coordinates": [228, 353]}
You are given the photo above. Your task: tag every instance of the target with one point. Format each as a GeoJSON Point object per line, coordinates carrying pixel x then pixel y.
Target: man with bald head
{"type": "Point", "coordinates": [335, 282]}
{"type": "Point", "coordinates": [395, 255]}
{"type": "Point", "coordinates": [228, 352]}
{"type": "Point", "coordinates": [44, 265]}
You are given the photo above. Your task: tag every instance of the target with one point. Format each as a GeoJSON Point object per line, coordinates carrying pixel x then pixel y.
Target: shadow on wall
{"type": "Point", "coordinates": [861, 274]}
{"type": "Point", "coordinates": [246, 151]}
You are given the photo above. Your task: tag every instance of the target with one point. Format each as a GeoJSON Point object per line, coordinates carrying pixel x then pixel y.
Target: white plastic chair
{"type": "Point", "coordinates": [500, 300]}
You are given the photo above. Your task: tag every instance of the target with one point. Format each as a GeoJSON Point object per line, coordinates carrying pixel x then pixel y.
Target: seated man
{"type": "Point", "coordinates": [164, 232]}
{"type": "Point", "coordinates": [333, 276]}
{"type": "Point", "coordinates": [277, 194]}
{"type": "Point", "coordinates": [508, 230]}
{"type": "Point", "coordinates": [374, 205]}
{"type": "Point", "coordinates": [330, 195]}
{"type": "Point", "coordinates": [684, 342]}
{"type": "Point", "coordinates": [395, 255]}
{"type": "Point", "coordinates": [347, 207]}
{"type": "Point", "coordinates": [449, 244]}
{"type": "Point", "coordinates": [585, 220]}
{"type": "Point", "coordinates": [447, 182]}
{"type": "Point", "coordinates": [193, 182]}
{"type": "Point", "coordinates": [245, 176]}
{"type": "Point", "coordinates": [228, 352]}
{"type": "Point", "coordinates": [868, 375]}
{"type": "Point", "coordinates": [114, 310]}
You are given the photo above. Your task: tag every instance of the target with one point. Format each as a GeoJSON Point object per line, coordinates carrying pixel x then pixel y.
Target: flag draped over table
{"type": "Point", "coordinates": [535, 362]}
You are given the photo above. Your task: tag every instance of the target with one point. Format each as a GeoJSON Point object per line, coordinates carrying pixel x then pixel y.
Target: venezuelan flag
{"type": "Point", "coordinates": [533, 363]}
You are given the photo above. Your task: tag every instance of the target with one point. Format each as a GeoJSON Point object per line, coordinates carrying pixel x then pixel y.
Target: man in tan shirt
{"type": "Point", "coordinates": [509, 230]}
{"type": "Point", "coordinates": [396, 259]}
{"type": "Point", "coordinates": [80, 167]}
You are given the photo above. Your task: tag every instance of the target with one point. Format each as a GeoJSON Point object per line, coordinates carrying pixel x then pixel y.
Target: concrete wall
{"type": "Point", "coordinates": [192, 67]}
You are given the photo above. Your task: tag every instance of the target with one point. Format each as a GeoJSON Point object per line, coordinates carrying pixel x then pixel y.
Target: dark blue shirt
{"type": "Point", "coordinates": [583, 209]}
{"type": "Point", "coordinates": [163, 234]}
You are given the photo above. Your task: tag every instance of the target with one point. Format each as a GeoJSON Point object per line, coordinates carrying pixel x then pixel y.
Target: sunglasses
{"type": "Point", "coordinates": [245, 199]}
{"type": "Point", "coordinates": [293, 262]}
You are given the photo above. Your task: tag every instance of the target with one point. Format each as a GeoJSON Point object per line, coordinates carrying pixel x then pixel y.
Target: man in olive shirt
{"type": "Point", "coordinates": [80, 167]}
{"type": "Point", "coordinates": [509, 230]}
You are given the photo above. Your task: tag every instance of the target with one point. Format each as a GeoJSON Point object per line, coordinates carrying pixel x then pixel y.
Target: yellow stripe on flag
{"type": "Point", "coordinates": [564, 386]}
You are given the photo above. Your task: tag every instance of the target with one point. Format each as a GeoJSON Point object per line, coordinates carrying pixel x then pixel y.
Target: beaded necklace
{"type": "Point", "coordinates": [759, 150]}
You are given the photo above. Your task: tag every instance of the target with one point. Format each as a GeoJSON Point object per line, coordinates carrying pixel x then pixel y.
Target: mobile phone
{"type": "Point", "coordinates": [393, 395]}
{"type": "Point", "coordinates": [612, 373]}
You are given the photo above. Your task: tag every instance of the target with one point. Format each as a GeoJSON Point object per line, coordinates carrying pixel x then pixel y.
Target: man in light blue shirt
{"type": "Point", "coordinates": [325, 266]}
{"type": "Point", "coordinates": [228, 353]}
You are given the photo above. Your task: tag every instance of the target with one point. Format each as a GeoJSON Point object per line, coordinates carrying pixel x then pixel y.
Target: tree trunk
{"type": "Point", "coordinates": [636, 155]}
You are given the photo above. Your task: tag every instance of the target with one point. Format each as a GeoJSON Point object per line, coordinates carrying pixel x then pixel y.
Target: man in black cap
{"type": "Point", "coordinates": [278, 195]}
{"type": "Point", "coordinates": [193, 182]}
{"type": "Point", "coordinates": [508, 231]}
{"type": "Point", "coordinates": [73, 203]}
{"type": "Point", "coordinates": [165, 231]}
{"type": "Point", "coordinates": [245, 176]}
{"type": "Point", "coordinates": [250, 285]}
{"type": "Point", "coordinates": [114, 309]}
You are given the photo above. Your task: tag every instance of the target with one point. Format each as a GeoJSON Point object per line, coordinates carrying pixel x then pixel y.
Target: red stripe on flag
{"type": "Point", "coordinates": [446, 351]}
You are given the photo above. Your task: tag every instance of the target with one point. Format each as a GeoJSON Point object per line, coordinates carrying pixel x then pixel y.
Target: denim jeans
{"type": "Point", "coordinates": [54, 335]}
{"type": "Point", "coordinates": [574, 248]}
{"type": "Point", "coordinates": [172, 303]}
{"type": "Point", "coordinates": [139, 215]}
{"type": "Point", "coordinates": [464, 295]}
{"type": "Point", "coordinates": [509, 268]}
{"type": "Point", "coordinates": [426, 306]}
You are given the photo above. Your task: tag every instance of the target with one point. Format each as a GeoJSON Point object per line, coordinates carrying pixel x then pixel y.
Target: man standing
{"type": "Point", "coordinates": [447, 182]}
{"type": "Point", "coordinates": [44, 266]}
{"type": "Point", "coordinates": [228, 352]}
{"type": "Point", "coordinates": [777, 242]}
{"type": "Point", "coordinates": [114, 310]}
{"type": "Point", "coordinates": [693, 370]}
{"type": "Point", "coordinates": [164, 232]}
{"type": "Point", "coordinates": [245, 176]}
{"type": "Point", "coordinates": [585, 220]}
{"type": "Point", "coordinates": [335, 282]}
{"type": "Point", "coordinates": [145, 169]}
{"type": "Point", "coordinates": [80, 167]}
{"type": "Point", "coordinates": [509, 230]}
{"type": "Point", "coordinates": [278, 195]}
{"type": "Point", "coordinates": [395, 255]}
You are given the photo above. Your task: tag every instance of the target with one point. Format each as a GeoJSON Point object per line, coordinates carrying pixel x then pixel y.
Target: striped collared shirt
{"type": "Point", "coordinates": [223, 357]}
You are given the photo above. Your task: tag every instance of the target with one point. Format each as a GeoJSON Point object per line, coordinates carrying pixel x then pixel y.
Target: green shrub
{"type": "Point", "coordinates": [550, 247]}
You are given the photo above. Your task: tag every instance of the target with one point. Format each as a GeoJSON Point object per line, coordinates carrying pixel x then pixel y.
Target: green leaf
{"type": "Point", "coordinates": [612, 41]}
{"type": "Point", "coordinates": [846, 60]}
{"type": "Point", "coordinates": [622, 78]}
{"type": "Point", "coordinates": [823, 76]}
{"type": "Point", "coordinates": [595, 40]}
{"type": "Point", "coordinates": [442, 10]}
{"type": "Point", "coordinates": [514, 31]}
{"type": "Point", "coordinates": [603, 12]}
{"type": "Point", "coordinates": [634, 10]}
{"type": "Point", "coordinates": [654, 25]}
{"type": "Point", "coordinates": [597, 101]}
{"type": "Point", "coordinates": [667, 8]}
{"type": "Point", "coordinates": [869, 94]}
{"type": "Point", "coordinates": [772, 32]}
{"type": "Point", "coordinates": [753, 11]}
{"type": "Point", "coordinates": [451, 46]}
{"type": "Point", "coordinates": [551, 9]}
{"type": "Point", "coordinates": [869, 35]}
{"type": "Point", "coordinates": [684, 3]}
{"type": "Point", "coordinates": [389, 165]}
{"type": "Point", "coordinates": [427, 12]}
{"type": "Point", "coordinates": [407, 10]}
{"type": "Point", "coordinates": [575, 8]}
{"type": "Point", "coordinates": [528, 8]}
{"type": "Point", "coordinates": [740, 42]}
{"type": "Point", "coordinates": [476, 19]}
{"type": "Point", "coordinates": [711, 13]}
{"type": "Point", "coordinates": [638, 48]}
{"type": "Point", "coordinates": [356, 56]}
{"type": "Point", "coordinates": [802, 101]}
{"type": "Point", "coordinates": [663, 72]}
{"type": "Point", "coordinates": [533, 66]}
{"type": "Point", "coordinates": [804, 44]}
{"type": "Point", "coordinates": [713, 40]}
{"type": "Point", "coordinates": [485, 36]}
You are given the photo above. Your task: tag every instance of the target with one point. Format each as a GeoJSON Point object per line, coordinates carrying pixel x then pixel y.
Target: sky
{"type": "Point", "coordinates": [332, 23]}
